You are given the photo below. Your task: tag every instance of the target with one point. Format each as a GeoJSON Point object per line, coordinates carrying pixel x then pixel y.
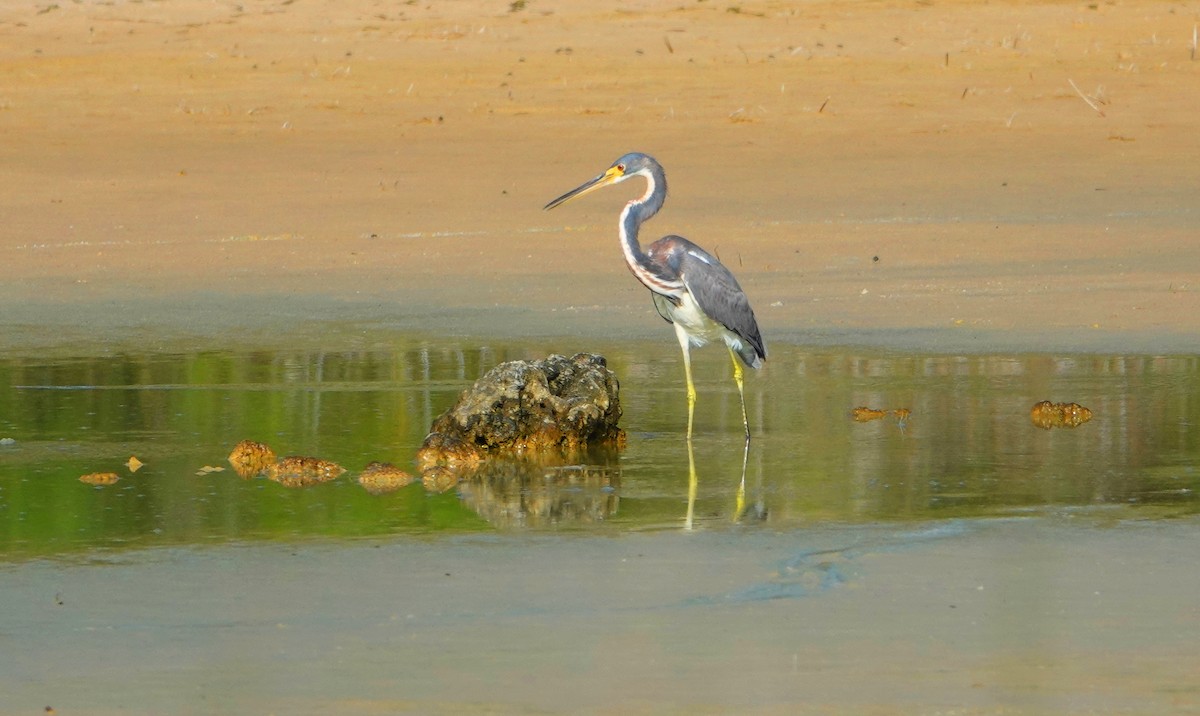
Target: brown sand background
{"type": "Point", "coordinates": [196, 166]}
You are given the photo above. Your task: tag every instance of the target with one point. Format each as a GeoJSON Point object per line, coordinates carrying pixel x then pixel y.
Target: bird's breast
{"type": "Point", "coordinates": [699, 327]}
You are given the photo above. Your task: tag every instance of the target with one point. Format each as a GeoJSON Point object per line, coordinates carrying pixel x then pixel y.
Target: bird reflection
{"type": "Point", "coordinates": [739, 505]}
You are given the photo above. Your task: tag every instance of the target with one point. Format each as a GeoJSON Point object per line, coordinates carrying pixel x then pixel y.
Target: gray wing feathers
{"type": "Point", "coordinates": [717, 292]}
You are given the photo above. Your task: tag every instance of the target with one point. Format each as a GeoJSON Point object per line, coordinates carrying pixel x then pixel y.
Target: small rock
{"type": "Point", "coordinates": [297, 471]}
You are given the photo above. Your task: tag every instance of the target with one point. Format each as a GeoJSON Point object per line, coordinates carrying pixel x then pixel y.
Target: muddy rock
{"type": "Point", "coordinates": [558, 404]}
{"type": "Point", "coordinates": [379, 478]}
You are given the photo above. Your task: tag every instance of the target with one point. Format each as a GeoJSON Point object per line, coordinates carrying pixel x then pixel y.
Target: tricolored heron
{"type": "Point", "coordinates": [690, 287]}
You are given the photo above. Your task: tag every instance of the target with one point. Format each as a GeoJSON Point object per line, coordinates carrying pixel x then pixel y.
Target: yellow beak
{"type": "Point", "coordinates": [608, 177]}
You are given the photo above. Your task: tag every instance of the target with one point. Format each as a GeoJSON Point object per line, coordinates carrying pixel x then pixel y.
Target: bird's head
{"type": "Point", "coordinates": [632, 164]}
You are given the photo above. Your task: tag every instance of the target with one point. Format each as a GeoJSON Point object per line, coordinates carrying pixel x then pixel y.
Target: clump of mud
{"type": "Point", "coordinates": [1047, 415]}
{"type": "Point", "coordinates": [100, 478]}
{"type": "Point", "coordinates": [297, 471]}
{"type": "Point", "coordinates": [866, 415]}
{"type": "Point", "coordinates": [379, 478]}
{"type": "Point", "coordinates": [250, 458]}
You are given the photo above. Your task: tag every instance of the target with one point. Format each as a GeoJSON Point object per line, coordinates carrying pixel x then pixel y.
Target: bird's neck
{"type": "Point", "coordinates": [639, 211]}
{"type": "Point", "coordinates": [633, 216]}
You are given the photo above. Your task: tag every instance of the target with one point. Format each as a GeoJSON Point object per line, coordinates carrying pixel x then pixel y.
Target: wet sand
{"type": "Point", "coordinates": [1022, 617]}
{"type": "Point", "coordinates": [948, 176]}
{"type": "Point", "coordinates": [911, 173]}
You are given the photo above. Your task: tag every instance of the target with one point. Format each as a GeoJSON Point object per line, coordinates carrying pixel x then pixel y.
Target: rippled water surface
{"type": "Point", "coordinates": [967, 448]}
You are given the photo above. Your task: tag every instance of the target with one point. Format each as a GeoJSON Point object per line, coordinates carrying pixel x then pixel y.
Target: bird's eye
{"type": "Point", "coordinates": [621, 168]}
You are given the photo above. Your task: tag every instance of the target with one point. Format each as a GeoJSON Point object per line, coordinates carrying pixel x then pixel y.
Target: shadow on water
{"type": "Point", "coordinates": [967, 448]}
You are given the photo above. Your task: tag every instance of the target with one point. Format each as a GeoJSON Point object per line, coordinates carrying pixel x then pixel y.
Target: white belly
{"type": "Point", "coordinates": [700, 329]}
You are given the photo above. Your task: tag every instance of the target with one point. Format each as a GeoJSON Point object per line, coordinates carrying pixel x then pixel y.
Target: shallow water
{"type": "Point", "coordinates": [960, 560]}
{"type": "Point", "coordinates": [968, 448]}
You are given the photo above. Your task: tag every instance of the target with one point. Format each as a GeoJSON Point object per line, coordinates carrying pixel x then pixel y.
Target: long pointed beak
{"type": "Point", "coordinates": [608, 177]}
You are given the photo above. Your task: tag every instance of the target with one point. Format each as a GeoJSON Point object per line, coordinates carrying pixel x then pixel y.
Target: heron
{"type": "Point", "coordinates": [691, 289]}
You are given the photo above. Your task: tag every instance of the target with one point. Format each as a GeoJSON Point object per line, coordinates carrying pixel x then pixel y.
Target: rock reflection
{"type": "Point", "coordinates": [513, 492]}
{"type": "Point", "coordinates": [439, 478]}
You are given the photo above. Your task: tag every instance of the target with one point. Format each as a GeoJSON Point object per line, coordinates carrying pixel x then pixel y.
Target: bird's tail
{"type": "Point", "coordinates": [748, 354]}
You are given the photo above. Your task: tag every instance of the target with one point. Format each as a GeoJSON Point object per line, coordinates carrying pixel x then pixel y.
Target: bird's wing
{"type": "Point", "coordinates": [718, 294]}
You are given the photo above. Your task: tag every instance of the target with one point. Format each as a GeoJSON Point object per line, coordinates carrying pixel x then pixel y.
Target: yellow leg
{"type": "Point", "coordinates": [685, 345]}
{"type": "Point", "coordinates": [737, 378]}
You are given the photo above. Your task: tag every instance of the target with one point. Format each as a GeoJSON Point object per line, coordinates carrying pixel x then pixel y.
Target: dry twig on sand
{"type": "Point", "coordinates": [1091, 101]}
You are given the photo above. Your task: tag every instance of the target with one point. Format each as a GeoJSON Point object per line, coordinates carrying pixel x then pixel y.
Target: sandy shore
{"type": "Point", "coordinates": [1009, 175]}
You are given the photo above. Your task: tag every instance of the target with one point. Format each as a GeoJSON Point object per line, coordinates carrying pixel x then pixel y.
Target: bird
{"type": "Point", "coordinates": [690, 287]}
